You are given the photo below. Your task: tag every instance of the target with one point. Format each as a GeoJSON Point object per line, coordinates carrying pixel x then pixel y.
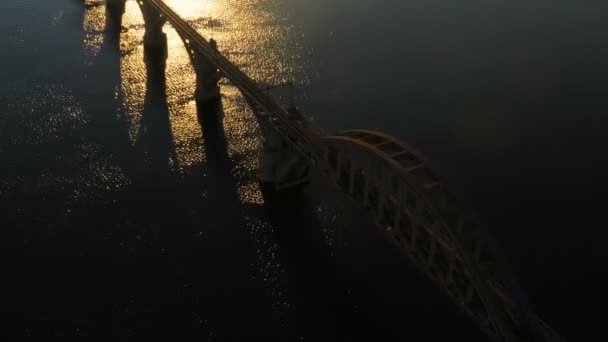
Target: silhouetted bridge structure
{"type": "Point", "coordinates": [397, 186]}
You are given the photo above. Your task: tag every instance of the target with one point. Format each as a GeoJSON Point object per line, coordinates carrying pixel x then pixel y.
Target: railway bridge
{"type": "Point", "coordinates": [398, 187]}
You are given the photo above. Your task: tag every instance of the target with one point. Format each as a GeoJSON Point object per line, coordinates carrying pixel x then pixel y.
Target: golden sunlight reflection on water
{"type": "Point", "coordinates": [249, 32]}
{"type": "Point", "coordinates": [94, 25]}
{"type": "Point", "coordinates": [194, 9]}
{"type": "Point", "coordinates": [255, 38]}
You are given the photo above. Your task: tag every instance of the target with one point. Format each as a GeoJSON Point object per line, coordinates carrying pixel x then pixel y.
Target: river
{"type": "Point", "coordinates": [127, 218]}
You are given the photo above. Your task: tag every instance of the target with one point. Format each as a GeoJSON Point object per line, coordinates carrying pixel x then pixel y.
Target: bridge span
{"type": "Point", "coordinates": [405, 195]}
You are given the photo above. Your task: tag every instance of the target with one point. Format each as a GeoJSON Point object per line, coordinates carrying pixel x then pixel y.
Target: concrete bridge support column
{"type": "Point", "coordinates": [115, 7]}
{"type": "Point", "coordinates": [281, 165]}
{"type": "Point", "coordinates": [155, 40]}
{"type": "Point", "coordinates": [114, 12]}
{"type": "Point", "coordinates": [207, 77]}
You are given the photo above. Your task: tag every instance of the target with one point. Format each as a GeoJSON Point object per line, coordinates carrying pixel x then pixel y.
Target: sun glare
{"type": "Point", "coordinates": [193, 8]}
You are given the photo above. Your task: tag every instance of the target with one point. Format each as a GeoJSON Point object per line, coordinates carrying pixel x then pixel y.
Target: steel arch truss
{"type": "Point", "coordinates": [411, 205]}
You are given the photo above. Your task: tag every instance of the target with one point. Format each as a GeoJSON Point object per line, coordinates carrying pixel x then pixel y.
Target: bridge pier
{"type": "Point", "coordinates": [207, 76]}
{"type": "Point", "coordinates": [281, 166]}
{"type": "Point", "coordinates": [114, 12]}
{"type": "Point", "coordinates": [116, 6]}
{"type": "Point", "coordinates": [155, 40]}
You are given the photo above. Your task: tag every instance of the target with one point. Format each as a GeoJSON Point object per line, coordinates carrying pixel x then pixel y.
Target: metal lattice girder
{"type": "Point", "coordinates": [412, 206]}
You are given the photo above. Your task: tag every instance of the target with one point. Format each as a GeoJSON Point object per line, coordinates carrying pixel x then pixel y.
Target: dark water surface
{"type": "Point", "coordinates": [128, 217]}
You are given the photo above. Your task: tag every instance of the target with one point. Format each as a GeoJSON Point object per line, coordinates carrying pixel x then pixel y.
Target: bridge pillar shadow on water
{"type": "Point", "coordinates": [109, 126]}
{"type": "Point", "coordinates": [238, 304]}
{"type": "Point", "coordinates": [324, 309]}
{"type": "Point", "coordinates": [154, 138]}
